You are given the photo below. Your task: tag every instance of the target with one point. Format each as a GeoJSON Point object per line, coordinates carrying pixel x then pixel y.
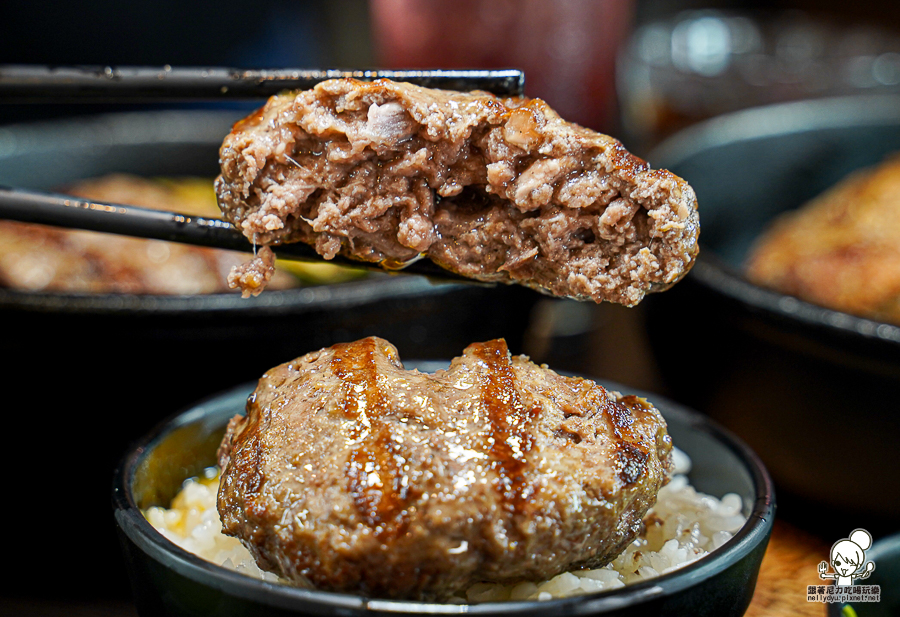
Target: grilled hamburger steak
{"type": "Point", "coordinates": [841, 249]}
{"type": "Point", "coordinates": [493, 189]}
{"type": "Point", "coordinates": [353, 474]}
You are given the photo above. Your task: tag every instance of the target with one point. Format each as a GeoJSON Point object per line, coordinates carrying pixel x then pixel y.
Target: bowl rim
{"type": "Point", "coordinates": [146, 538]}
{"type": "Point", "coordinates": [377, 286]}
{"type": "Point", "coordinates": [713, 272]}
{"type": "Point", "coordinates": [782, 119]}
{"type": "Point", "coordinates": [778, 119]}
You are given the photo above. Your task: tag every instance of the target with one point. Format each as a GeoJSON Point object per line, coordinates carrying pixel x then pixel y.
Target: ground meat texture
{"type": "Point", "coordinates": [355, 475]}
{"type": "Point", "coordinates": [252, 276]}
{"type": "Point", "coordinates": [494, 189]}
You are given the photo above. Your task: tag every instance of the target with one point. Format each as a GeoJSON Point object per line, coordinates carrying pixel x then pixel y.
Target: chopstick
{"type": "Point", "coordinates": [29, 206]}
{"type": "Point", "coordinates": [141, 84]}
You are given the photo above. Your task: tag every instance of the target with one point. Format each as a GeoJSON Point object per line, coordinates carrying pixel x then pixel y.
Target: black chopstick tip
{"type": "Point", "coordinates": [134, 84]}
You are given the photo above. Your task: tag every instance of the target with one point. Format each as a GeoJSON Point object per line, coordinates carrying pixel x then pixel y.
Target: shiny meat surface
{"type": "Point", "coordinates": [353, 474]}
{"type": "Point", "coordinates": [494, 189]}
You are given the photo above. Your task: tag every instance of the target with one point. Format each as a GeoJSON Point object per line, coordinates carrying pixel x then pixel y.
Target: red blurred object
{"type": "Point", "coordinates": [567, 48]}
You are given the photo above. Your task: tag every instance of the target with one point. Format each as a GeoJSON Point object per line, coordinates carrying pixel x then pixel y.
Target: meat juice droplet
{"type": "Point", "coordinates": [374, 467]}
{"type": "Point", "coordinates": [395, 263]}
{"type": "Point", "coordinates": [509, 437]}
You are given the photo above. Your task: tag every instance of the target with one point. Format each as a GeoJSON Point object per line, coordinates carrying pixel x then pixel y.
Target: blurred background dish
{"type": "Point", "coordinates": [840, 250]}
{"type": "Point", "coordinates": [812, 389]}
{"type": "Point", "coordinates": [42, 258]}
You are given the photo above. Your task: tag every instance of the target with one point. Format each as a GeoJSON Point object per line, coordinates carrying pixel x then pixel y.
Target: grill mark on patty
{"type": "Point", "coordinates": [374, 468]}
{"type": "Point", "coordinates": [509, 438]}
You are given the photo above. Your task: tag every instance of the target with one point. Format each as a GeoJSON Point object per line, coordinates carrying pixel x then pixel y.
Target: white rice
{"type": "Point", "coordinates": [682, 527]}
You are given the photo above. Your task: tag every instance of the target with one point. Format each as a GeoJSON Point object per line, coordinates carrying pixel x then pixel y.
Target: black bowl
{"type": "Point", "coordinates": [812, 390]}
{"type": "Point", "coordinates": [100, 370]}
{"type": "Point", "coordinates": [170, 581]}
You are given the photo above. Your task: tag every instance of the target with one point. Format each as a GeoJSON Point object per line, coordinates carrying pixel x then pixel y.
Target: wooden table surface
{"type": "Point", "coordinates": [789, 566]}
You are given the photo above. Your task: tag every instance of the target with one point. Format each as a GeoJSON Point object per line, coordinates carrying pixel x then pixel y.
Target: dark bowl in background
{"type": "Point", "coordinates": [813, 391]}
{"type": "Point", "coordinates": [170, 581]}
{"type": "Point", "coordinates": [86, 373]}
{"type": "Point", "coordinates": [885, 554]}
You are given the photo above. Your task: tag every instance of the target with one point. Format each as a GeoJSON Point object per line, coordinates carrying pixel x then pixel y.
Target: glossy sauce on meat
{"type": "Point", "coordinates": [509, 439]}
{"type": "Point", "coordinates": [375, 468]}
{"type": "Point", "coordinates": [354, 474]}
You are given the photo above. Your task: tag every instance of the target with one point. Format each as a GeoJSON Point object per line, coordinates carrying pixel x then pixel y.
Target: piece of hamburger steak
{"type": "Point", "coordinates": [355, 475]}
{"type": "Point", "coordinates": [494, 189]}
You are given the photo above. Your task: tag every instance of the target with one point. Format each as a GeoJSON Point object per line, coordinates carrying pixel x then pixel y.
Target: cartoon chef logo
{"type": "Point", "coordinates": [848, 559]}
